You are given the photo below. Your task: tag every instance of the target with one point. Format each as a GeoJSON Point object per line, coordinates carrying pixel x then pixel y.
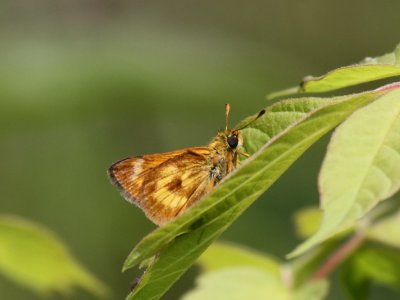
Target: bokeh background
{"type": "Point", "coordinates": [86, 83]}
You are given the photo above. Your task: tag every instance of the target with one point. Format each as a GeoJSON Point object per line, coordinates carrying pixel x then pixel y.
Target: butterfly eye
{"type": "Point", "coordinates": [233, 141]}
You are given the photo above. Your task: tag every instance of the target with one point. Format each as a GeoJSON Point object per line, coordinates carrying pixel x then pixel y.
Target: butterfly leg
{"type": "Point", "coordinates": [244, 154]}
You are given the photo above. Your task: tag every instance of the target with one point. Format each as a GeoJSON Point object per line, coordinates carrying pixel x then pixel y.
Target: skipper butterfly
{"type": "Point", "coordinates": [164, 185]}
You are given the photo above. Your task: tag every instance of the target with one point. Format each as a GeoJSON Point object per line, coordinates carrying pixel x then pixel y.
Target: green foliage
{"type": "Point", "coordinates": [307, 221]}
{"type": "Point", "coordinates": [225, 255]}
{"type": "Point", "coordinates": [387, 230]}
{"type": "Point", "coordinates": [381, 265]}
{"type": "Point", "coordinates": [370, 69]}
{"type": "Point", "coordinates": [243, 274]}
{"type": "Point", "coordinates": [179, 243]}
{"type": "Point", "coordinates": [371, 264]}
{"type": "Point", "coordinates": [360, 170]}
{"type": "Point", "coordinates": [35, 258]}
{"type": "Point", "coordinates": [352, 75]}
{"type": "Point", "coordinates": [354, 281]}
{"type": "Point", "coordinates": [361, 167]}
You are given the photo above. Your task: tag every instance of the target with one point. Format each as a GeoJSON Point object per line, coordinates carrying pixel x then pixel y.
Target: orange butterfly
{"type": "Point", "coordinates": [164, 185]}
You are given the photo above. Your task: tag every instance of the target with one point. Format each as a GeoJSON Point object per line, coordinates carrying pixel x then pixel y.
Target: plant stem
{"type": "Point", "coordinates": [339, 256]}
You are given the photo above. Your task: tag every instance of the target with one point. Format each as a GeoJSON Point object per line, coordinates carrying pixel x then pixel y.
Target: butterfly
{"type": "Point", "coordinates": [164, 185]}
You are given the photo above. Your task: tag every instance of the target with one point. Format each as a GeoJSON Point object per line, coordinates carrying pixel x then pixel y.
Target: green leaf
{"type": "Point", "coordinates": [386, 231]}
{"type": "Point", "coordinates": [288, 128]}
{"type": "Point", "coordinates": [392, 58]}
{"type": "Point", "coordinates": [370, 69]}
{"type": "Point", "coordinates": [35, 258]}
{"type": "Point", "coordinates": [307, 221]}
{"type": "Point", "coordinates": [232, 272]}
{"type": "Point", "coordinates": [387, 65]}
{"type": "Point", "coordinates": [361, 167]}
{"type": "Point", "coordinates": [381, 265]}
{"type": "Point", "coordinates": [238, 283]}
{"type": "Point", "coordinates": [354, 281]}
{"type": "Point", "coordinates": [222, 255]}
{"type": "Point", "coordinates": [349, 76]}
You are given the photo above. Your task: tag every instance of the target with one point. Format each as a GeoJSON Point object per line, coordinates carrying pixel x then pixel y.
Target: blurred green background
{"type": "Point", "coordinates": [86, 83]}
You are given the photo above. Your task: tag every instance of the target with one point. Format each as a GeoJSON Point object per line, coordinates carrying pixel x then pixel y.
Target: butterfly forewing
{"type": "Point", "coordinates": [165, 184]}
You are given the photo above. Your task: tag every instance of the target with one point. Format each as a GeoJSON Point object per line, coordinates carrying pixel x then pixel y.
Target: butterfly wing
{"type": "Point", "coordinates": [164, 185]}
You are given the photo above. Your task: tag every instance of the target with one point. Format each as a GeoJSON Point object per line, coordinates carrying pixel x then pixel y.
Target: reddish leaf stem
{"type": "Point", "coordinates": [337, 257]}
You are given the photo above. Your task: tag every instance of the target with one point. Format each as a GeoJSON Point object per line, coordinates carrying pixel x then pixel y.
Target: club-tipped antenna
{"type": "Point", "coordinates": [252, 120]}
{"type": "Point", "coordinates": [227, 109]}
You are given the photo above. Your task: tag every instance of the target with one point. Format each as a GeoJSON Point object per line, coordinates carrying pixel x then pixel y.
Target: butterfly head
{"type": "Point", "coordinates": [227, 141]}
{"type": "Point", "coordinates": [234, 140]}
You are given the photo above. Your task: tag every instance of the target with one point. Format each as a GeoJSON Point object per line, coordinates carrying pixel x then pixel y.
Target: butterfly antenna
{"type": "Point", "coordinates": [252, 120]}
{"type": "Point", "coordinates": [227, 109]}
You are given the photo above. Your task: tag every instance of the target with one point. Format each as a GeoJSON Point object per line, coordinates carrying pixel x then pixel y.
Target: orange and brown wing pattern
{"type": "Point", "coordinates": [165, 184]}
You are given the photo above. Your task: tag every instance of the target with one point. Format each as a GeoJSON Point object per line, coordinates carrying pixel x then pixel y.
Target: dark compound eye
{"type": "Point", "coordinates": [233, 141]}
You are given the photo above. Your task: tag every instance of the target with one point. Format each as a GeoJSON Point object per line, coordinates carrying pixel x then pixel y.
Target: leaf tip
{"type": "Point", "coordinates": [130, 261]}
{"type": "Point", "coordinates": [296, 252]}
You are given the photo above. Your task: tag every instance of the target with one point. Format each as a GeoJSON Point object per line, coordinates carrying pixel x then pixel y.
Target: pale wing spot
{"type": "Point", "coordinates": [175, 202]}
{"type": "Point", "coordinates": [160, 192]}
{"type": "Point", "coordinates": [169, 170]}
{"type": "Point", "coordinates": [171, 200]}
{"type": "Point", "coordinates": [166, 197]}
{"type": "Point", "coordinates": [185, 176]}
{"type": "Point", "coordinates": [138, 166]}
